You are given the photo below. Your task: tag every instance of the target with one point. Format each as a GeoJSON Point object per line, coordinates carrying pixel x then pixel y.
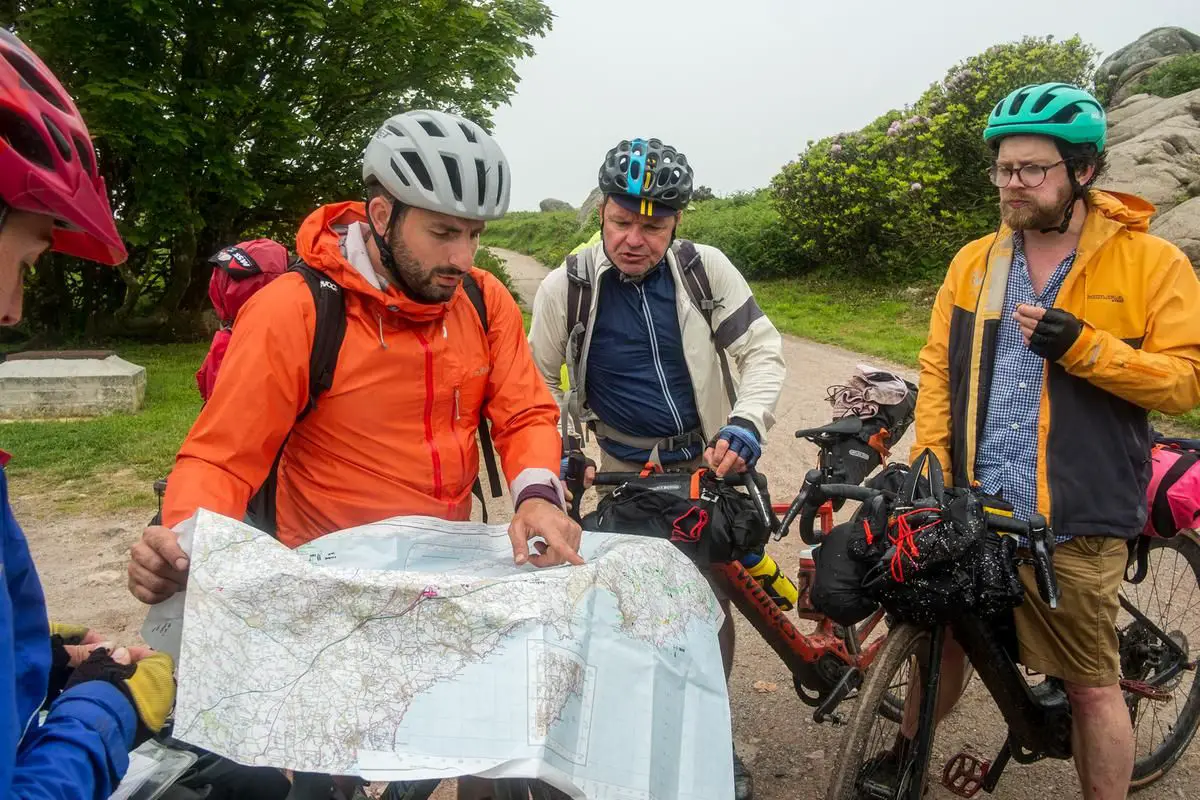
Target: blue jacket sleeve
{"type": "Point", "coordinates": [82, 749]}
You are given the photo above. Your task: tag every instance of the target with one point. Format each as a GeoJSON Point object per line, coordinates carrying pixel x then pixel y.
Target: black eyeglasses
{"type": "Point", "coordinates": [1032, 175]}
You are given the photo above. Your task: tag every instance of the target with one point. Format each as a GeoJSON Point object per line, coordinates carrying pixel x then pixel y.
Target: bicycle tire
{"type": "Point", "coordinates": [1152, 766]}
{"type": "Point", "coordinates": [903, 642]}
{"type": "Point", "coordinates": [892, 706]}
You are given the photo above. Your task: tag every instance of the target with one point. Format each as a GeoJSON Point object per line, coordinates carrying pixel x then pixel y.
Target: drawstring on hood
{"type": "Point", "coordinates": [382, 343]}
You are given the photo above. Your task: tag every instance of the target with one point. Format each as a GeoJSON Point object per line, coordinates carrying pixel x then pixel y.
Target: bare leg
{"type": "Point", "coordinates": [1102, 740]}
{"type": "Point", "coordinates": [474, 788]}
{"type": "Point", "coordinates": [954, 670]}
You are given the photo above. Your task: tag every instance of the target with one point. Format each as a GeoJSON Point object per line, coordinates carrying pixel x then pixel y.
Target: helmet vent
{"type": "Point", "coordinates": [85, 155]}
{"type": "Point", "coordinates": [431, 128]}
{"type": "Point", "coordinates": [394, 130]}
{"type": "Point", "coordinates": [419, 172]}
{"type": "Point", "coordinates": [29, 74]}
{"type": "Point", "coordinates": [24, 138]}
{"type": "Point", "coordinates": [1017, 102]}
{"type": "Point", "coordinates": [499, 181]}
{"type": "Point", "coordinates": [470, 134]}
{"type": "Point", "coordinates": [1067, 114]}
{"type": "Point", "coordinates": [1042, 102]}
{"type": "Point", "coordinates": [455, 178]}
{"type": "Point", "coordinates": [399, 173]}
{"type": "Point", "coordinates": [60, 141]}
{"type": "Point", "coordinates": [481, 180]}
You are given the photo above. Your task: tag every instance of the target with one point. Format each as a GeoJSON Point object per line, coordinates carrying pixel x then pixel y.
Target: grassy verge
{"type": "Point", "coordinates": [872, 321]}
{"type": "Point", "coordinates": [108, 463]}
{"type": "Point", "coordinates": [548, 236]}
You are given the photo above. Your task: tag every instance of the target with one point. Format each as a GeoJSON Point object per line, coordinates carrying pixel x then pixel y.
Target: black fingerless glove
{"type": "Point", "coordinates": [1054, 334]}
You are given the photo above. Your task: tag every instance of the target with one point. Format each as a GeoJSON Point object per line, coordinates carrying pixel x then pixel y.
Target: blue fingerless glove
{"type": "Point", "coordinates": [742, 441]}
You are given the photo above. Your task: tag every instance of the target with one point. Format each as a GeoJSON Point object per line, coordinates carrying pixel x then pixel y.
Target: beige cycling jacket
{"type": "Point", "coordinates": [753, 347]}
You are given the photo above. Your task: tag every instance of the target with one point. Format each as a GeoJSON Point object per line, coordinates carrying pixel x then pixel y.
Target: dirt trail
{"type": "Point", "coordinates": [788, 753]}
{"type": "Point", "coordinates": [82, 557]}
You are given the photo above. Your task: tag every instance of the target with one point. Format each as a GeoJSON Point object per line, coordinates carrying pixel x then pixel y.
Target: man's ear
{"type": "Point", "coordinates": [1085, 174]}
{"type": "Point", "coordinates": [379, 213]}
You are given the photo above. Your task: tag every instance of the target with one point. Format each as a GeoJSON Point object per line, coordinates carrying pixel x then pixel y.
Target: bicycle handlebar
{"type": "Point", "coordinates": [1041, 543]}
{"type": "Point", "coordinates": [813, 493]}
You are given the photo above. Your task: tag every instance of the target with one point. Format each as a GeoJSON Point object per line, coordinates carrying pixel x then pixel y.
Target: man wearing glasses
{"type": "Point", "coordinates": [1048, 344]}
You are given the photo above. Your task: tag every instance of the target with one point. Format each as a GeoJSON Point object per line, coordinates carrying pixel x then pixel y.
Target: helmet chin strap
{"type": "Point", "coordinates": [1077, 192]}
{"type": "Point", "coordinates": [385, 251]}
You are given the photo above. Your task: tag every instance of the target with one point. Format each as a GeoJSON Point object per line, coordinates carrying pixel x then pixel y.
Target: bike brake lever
{"type": "Point", "coordinates": [811, 480]}
{"type": "Point", "coordinates": [1041, 542]}
{"type": "Point", "coordinates": [750, 481]}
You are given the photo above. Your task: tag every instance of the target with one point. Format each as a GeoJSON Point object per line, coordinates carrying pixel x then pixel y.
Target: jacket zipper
{"type": "Point", "coordinates": [429, 440]}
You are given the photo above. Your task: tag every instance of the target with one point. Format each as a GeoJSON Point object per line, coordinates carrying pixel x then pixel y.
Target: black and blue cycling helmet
{"type": "Point", "coordinates": [647, 177]}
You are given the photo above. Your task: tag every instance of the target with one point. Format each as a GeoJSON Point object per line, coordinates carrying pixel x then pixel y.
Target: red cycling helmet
{"type": "Point", "coordinates": [47, 163]}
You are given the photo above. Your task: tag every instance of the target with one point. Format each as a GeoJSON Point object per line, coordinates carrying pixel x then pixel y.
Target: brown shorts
{"type": "Point", "coordinates": [1076, 642]}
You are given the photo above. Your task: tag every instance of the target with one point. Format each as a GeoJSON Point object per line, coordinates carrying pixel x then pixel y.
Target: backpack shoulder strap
{"type": "Point", "coordinates": [328, 335]}
{"type": "Point", "coordinates": [579, 291]}
{"type": "Point", "coordinates": [475, 294]}
{"type": "Point", "coordinates": [695, 278]}
{"type": "Point", "coordinates": [695, 281]}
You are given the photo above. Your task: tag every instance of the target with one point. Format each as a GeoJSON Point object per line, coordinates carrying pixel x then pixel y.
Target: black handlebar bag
{"type": "Point", "coordinates": [707, 519]}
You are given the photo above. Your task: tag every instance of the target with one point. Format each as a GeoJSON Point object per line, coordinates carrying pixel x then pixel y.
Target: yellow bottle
{"type": "Point", "coordinates": [768, 575]}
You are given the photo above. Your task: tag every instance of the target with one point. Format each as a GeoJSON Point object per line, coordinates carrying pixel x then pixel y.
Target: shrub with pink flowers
{"type": "Point", "coordinates": [899, 197]}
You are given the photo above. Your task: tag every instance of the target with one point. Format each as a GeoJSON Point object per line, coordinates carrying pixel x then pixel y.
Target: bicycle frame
{"type": "Point", "coordinates": [798, 651]}
{"type": "Point", "coordinates": [1039, 727]}
{"type": "Point", "coordinates": [829, 662]}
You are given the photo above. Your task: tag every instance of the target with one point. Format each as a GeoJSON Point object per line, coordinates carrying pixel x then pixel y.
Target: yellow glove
{"type": "Point", "coordinates": [149, 683]}
{"type": "Point", "coordinates": [71, 634]}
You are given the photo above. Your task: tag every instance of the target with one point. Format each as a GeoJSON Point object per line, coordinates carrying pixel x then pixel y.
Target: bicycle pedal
{"type": "Point", "coordinates": [964, 773]}
{"type": "Point", "coordinates": [1146, 690]}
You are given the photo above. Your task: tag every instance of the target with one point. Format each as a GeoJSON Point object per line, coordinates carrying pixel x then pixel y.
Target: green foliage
{"type": "Point", "coordinates": [1173, 76]}
{"type": "Point", "coordinates": [746, 228]}
{"type": "Point", "coordinates": [486, 260]}
{"type": "Point", "coordinates": [897, 198]}
{"type": "Point", "coordinates": [546, 235]}
{"type": "Point", "coordinates": [215, 121]}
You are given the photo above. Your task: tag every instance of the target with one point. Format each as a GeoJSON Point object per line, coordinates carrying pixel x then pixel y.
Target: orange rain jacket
{"type": "Point", "coordinates": [395, 434]}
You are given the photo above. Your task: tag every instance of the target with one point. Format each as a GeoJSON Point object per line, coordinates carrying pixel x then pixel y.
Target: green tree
{"type": "Point", "coordinates": [219, 119]}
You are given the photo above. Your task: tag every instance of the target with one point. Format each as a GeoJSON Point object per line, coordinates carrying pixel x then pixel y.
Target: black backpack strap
{"type": "Point", "coordinates": [328, 333]}
{"type": "Point", "coordinates": [1139, 559]}
{"type": "Point", "coordinates": [1161, 517]}
{"type": "Point", "coordinates": [695, 281]}
{"type": "Point", "coordinates": [475, 293]}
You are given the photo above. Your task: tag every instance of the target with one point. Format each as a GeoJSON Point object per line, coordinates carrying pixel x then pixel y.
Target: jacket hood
{"type": "Point", "coordinates": [319, 243]}
{"type": "Point", "coordinates": [1126, 209]}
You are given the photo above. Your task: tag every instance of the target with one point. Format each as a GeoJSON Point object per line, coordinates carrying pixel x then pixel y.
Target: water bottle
{"type": "Point", "coordinates": [767, 574]}
{"type": "Point", "coordinates": [805, 578]}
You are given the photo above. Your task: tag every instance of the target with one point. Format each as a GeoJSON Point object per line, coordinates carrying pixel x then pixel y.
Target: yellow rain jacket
{"type": "Point", "coordinates": [1139, 300]}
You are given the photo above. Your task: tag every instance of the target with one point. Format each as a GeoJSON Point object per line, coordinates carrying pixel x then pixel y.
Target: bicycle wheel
{"type": "Point", "coordinates": [892, 707]}
{"type": "Point", "coordinates": [1160, 680]}
{"type": "Point", "coordinates": [868, 765]}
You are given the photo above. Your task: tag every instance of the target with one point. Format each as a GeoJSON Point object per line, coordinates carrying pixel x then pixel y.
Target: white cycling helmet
{"type": "Point", "coordinates": [440, 162]}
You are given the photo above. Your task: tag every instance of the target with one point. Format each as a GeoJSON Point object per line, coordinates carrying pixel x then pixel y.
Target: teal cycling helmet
{"type": "Point", "coordinates": [1060, 110]}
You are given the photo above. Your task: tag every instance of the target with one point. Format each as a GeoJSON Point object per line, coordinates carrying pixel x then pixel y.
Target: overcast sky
{"type": "Point", "coordinates": [740, 86]}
